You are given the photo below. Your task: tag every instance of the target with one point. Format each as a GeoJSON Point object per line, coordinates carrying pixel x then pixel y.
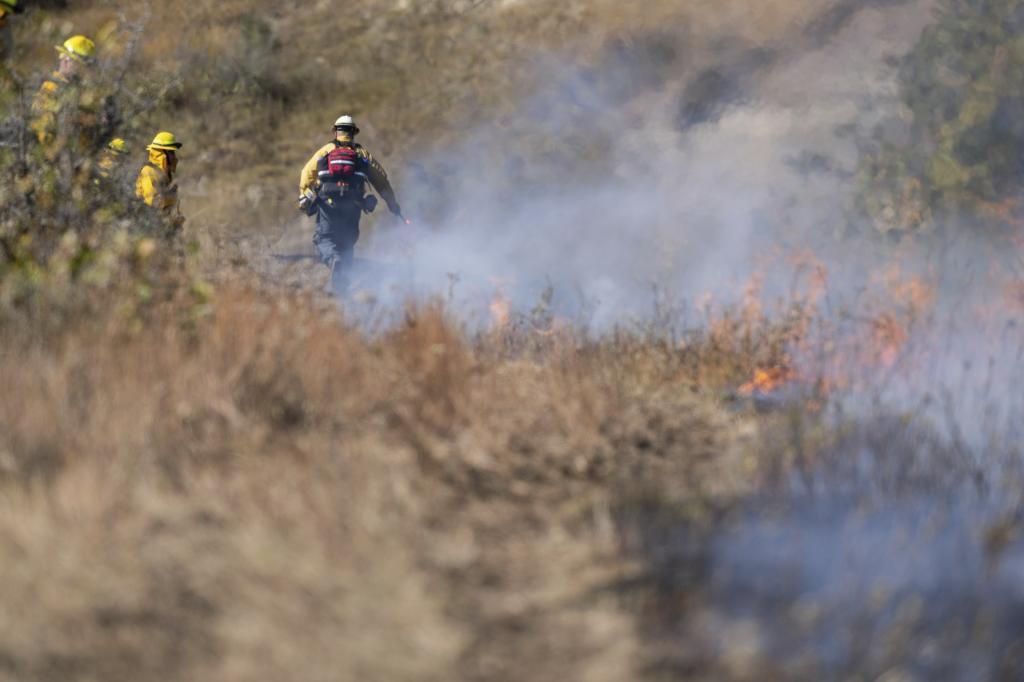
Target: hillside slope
{"type": "Point", "coordinates": [607, 469]}
{"type": "Point", "coordinates": [535, 95]}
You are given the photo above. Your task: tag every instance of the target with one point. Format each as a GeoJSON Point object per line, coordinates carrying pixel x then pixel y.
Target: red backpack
{"type": "Point", "coordinates": [341, 170]}
{"type": "Point", "coordinates": [343, 162]}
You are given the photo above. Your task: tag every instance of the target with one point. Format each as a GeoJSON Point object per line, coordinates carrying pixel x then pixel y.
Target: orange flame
{"type": "Point", "coordinates": [500, 306]}
{"type": "Point", "coordinates": [767, 380]}
{"type": "Point", "coordinates": [898, 302]}
{"type": "Point", "coordinates": [500, 313]}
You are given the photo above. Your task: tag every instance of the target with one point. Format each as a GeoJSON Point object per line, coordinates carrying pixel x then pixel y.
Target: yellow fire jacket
{"type": "Point", "coordinates": [154, 186]}
{"type": "Point", "coordinates": [107, 163]}
{"type": "Point", "coordinates": [45, 106]}
{"type": "Point", "coordinates": [75, 98]}
{"type": "Point", "coordinates": [375, 173]}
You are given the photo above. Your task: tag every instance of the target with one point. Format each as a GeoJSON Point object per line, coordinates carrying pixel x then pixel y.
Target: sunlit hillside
{"type": "Point", "coordinates": [253, 87]}
{"type": "Point", "coordinates": [698, 361]}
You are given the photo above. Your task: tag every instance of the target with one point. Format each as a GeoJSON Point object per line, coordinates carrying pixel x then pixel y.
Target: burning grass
{"type": "Point", "coordinates": [260, 491]}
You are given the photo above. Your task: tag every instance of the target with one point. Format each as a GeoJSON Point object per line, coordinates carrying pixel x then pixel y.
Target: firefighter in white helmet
{"type": "Point", "coordinates": [332, 186]}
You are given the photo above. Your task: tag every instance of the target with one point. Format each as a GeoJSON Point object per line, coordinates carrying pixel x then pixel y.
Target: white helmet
{"type": "Point", "coordinates": [346, 122]}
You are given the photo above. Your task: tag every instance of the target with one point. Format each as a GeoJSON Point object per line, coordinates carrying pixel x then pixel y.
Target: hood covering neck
{"type": "Point", "coordinates": [159, 159]}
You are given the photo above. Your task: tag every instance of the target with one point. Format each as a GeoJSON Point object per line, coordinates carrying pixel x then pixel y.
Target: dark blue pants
{"type": "Point", "coordinates": [335, 237]}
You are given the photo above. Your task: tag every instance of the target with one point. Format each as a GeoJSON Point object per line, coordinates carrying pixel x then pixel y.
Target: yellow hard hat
{"type": "Point", "coordinates": [164, 141]}
{"type": "Point", "coordinates": [10, 6]}
{"type": "Point", "coordinates": [118, 146]}
{"type": "Point", "coordinates": [79, 48]}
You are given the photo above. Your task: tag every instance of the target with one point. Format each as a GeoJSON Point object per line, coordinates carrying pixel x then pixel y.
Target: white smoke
{"type": "Point", "coordinates": [685, 206]}
{"type": "Point", "coordinates": [688, 197]}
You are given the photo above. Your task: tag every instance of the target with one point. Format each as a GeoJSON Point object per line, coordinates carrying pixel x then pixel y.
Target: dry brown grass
{"type": "Point", "coordinates": [268, 494]}
{"type": "Point", "coordinates": [256, 490]}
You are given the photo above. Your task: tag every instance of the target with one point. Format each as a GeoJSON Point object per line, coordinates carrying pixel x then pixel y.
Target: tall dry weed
{"type": "Point", "coordinates": [265, 492]}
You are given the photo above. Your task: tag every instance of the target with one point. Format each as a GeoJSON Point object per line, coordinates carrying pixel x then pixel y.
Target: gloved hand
{"type": "Point", "coordinates": [170, 196]}
{"type": "Point", "coordinates": [307, 202]}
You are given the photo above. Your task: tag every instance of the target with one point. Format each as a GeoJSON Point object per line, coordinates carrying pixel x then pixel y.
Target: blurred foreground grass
{"type": "Point", "coordinates": [266, 493]}
{"type": "Point", "coordinates": [257, 490]}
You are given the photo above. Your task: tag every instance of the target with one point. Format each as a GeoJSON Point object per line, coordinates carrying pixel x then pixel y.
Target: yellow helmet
{"type": "Point", "coordinates": [118, 146]}
{"type": "Point", "coordinates": [79, 48]}
{"type": "Point", "coordinates": [10, 6]}
{"type": "Point", "coordinates": [164, 141]}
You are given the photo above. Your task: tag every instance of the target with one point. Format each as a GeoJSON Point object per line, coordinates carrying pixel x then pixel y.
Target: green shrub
{"type": "Point", "coordinates": [71, 229]}
{"type": "Point", "coordinates": [963, 84]}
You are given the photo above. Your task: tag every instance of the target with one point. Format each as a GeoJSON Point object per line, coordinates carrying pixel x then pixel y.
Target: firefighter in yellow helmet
{"type": "Point", "coordinates": [76, 54]}
{"type": "Point", "coordinates": [7, 8]}
{"type": "Point", "coordinates": [114, 154]}
{"type": "Point", "coordinates": [64, 94]}
{"type": "Point", "coordinates": [112, 194]}
{"type": "Point", "coordinates": [332, 186]}
{"type": "Point", "coordinates": [155, 184]}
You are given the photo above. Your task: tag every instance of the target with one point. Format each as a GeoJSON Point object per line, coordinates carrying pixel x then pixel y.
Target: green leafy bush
{"type": "Point", "coordinates": [71, 228]}
{"type": "Point", "coordinates": [963, 84]}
